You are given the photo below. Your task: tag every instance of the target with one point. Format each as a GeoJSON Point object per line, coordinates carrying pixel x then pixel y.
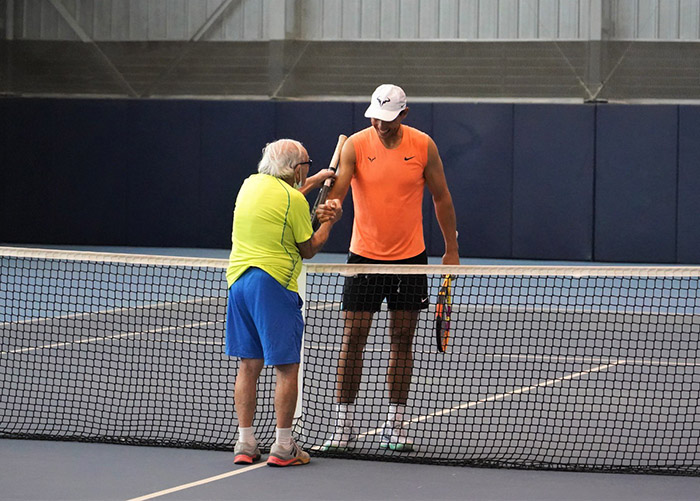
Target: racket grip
{"type": "Point", "coordinates": [328, 183]}
{"type": "Point", "coordinates": [335, 158]}
{"type": "Point", "coordinates": [322, 195]}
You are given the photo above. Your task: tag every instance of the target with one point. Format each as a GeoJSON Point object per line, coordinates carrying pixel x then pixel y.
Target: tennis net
{"type": "Point", "coordinates": [574, 368]}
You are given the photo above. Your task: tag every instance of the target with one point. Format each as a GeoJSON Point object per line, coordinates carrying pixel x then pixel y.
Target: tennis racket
{"type": "Point", "coordinates": [443, 311]}
{"type": "Point", "coordinates": [321, 198]}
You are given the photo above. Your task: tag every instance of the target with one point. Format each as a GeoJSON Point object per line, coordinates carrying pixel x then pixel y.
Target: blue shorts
{"type": "Point", "coordinates": [263, 320]}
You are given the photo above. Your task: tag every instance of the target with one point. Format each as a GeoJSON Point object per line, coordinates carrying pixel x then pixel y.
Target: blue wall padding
{"type": "Point", "coordinates": [420, 115]}
{"type": "Point", "coordinates": [166, 173]}
{"type": "Point", "coordinates": [163, 173]}
{"type": "Point", "coordinates": [636, 182]}
{"type": "Point", "coordinates": [359, 121]}
{"type": "Point", "coordinates": [6, 108]}
{"type": "Point", "coordinates": [232, 137]}
{"type": "Point", "coordinates": [689, 185]}
{"type": "Point", "coordinates": [553, 182]}
{"type": "Point", "coordinates": [318, 125]}
{"type": "Point", "coordinates": [66, 172]}
{"type": "Point", "coordinates": [475, 142]}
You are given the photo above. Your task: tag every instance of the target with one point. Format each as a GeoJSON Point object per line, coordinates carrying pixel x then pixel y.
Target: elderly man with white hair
{"type": "Point", "coordinates": [272, 233]}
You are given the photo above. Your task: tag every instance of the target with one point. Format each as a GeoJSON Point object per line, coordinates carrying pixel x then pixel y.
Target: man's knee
{"type": "Point", "coordinates": [287, 370]}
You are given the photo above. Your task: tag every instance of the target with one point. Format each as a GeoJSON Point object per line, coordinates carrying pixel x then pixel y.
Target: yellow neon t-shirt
{"type": "Point", "coordinates": [269, 219]}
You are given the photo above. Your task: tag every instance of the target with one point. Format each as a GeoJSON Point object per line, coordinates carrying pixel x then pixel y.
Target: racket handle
{"type": "Point", "coordinates": [328, 183]}
{"type": "Point", "coordinates": [322, 195]}
{"type": "Point", "coordinates": [335, 159]}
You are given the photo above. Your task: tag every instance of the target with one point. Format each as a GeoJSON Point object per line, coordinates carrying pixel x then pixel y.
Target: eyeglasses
{"type": "Point", "coordinates": [309, 162]}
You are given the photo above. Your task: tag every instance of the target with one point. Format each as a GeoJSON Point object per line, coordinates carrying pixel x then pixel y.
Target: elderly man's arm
{"type": "Point", "coordinates": [315, 181]}
{"type": "Point", "coordinates": [328, 214]}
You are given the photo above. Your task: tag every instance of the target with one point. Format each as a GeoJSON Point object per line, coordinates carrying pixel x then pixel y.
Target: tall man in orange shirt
{"type": "Point", "coordinates": [388, 165]}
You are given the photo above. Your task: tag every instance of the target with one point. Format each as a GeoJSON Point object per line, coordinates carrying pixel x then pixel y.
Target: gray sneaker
{"type": "Point", "coordinates": [245, 453]}
{"type": "Point", "coordinates": [294, 456]}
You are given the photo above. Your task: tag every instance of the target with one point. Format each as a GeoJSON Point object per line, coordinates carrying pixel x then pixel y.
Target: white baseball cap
{"type": "Point", "coordinates": [387, 102]}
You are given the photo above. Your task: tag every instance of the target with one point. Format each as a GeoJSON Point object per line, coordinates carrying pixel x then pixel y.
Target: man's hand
{"type": "Point", "coordinates": [451, 255]}
{"type": "Point", "coordinates": [450, 258]}
{"type": "Point", "coordinates": [331, 211]}
{"type": "Point", "coordinates": [318, 179]}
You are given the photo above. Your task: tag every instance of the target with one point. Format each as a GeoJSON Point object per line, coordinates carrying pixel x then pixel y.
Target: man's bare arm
{"type": "Point", "coordinates": [346, 169]}
{"type": "Point", "coordinates": [444, 208]}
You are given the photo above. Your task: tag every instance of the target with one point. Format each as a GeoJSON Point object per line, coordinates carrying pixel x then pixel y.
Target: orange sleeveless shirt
{"type": "Point", "coordinates": [387, 194]}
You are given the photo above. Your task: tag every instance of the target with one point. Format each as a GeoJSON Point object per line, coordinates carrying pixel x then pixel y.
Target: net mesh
{"type": "Point", "coordinates": [115, 349]}
{"type": "Point", "coordinates": [585, 368]}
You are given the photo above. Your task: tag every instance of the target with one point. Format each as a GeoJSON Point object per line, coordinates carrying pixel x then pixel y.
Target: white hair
{"type": "Point", "coordinates": [280, 157]}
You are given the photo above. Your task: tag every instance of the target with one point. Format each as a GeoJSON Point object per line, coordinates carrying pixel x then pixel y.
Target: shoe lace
{"type": "Point", "coordinates": [295, 449]}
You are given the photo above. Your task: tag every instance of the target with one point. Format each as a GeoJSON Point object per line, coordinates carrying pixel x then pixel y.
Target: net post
{"type": "Point", "coordinates": [300, 385]}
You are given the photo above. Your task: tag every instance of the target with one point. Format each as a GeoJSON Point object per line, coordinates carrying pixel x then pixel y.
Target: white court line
{"type": "Point", "coordinates": [375, 431]}
{"type": "Point", "coordinates": [113, 311]}
{"type": "Point", "coordinates": [105, 312]}
{"type": "Point", "coordinates": [602, 309]}
{"type": "Point", "coordinates": [571, 359]}
{"type": "Point", "coordinates": [524, 389]}
{"type": "Point", "coordinates": [670, 310]}
{"type": "Point", "coordinates": [494, 398]}
{"type": "Point", "coordinates": [590, 360]}
{"type": "Point", "coordinates": [104, 338]}
{"type": "Point", "coordinates": [199, 482]}
{"type": "Point", "coordinates": [184, 340]}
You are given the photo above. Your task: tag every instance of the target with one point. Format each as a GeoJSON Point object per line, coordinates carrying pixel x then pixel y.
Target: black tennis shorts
{"type": "Point", "coordinates": [366, 292]}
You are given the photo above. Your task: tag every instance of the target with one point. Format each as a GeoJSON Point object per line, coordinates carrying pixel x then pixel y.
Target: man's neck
{"type": "Point", "coordinates": [393, 141]}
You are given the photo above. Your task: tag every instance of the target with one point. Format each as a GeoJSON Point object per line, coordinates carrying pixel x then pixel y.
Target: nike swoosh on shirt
{"type": "Point", "coordinates": [408, 158]}
{"type": "Point", "coordinates": [371, 159]}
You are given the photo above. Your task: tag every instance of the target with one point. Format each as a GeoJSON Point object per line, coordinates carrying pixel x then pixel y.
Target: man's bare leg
{"type": "Point", "coordinates": [402, 327]}
{"type": "Point", "coordinates": [349, 376]}
{"type": "Point", "coordinates": [355, 332]}
{"type": "Point", "coordinates": [245, 390]}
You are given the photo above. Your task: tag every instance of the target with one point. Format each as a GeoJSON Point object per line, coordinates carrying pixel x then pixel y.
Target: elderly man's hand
{"type": "Point", "coordinates": [315, 181]}
{"type": "Point", "coordinates": [330, 211]}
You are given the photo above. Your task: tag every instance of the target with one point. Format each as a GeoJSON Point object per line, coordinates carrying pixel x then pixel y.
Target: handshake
{"type": "Point", "coordinates": [329, 211]}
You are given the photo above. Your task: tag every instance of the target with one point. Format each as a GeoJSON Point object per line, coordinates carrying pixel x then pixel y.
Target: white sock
{"type": "Point", "coordinates": [395, 416]}
{"type": "Point", "coordinates": [247, 435]}
{"type": "Point", "coordinates": [284, 437]}
{"type": "Point", "coordinates": [346, 415]}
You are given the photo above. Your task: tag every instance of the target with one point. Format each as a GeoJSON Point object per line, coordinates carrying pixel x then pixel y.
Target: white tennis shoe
{"type": "Point", "coordinates": [395, 439]}
{"type": "Point", "coordinates": [342, 440]}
